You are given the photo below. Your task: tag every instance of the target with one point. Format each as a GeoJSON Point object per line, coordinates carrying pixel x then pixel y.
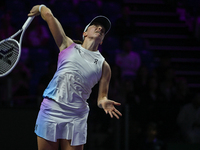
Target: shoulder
{"type": "Point", "coordinates": [106, 66]}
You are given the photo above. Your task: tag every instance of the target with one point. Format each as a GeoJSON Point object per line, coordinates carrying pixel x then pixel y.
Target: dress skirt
{"type": "Point", "coordinates": [57, 121]}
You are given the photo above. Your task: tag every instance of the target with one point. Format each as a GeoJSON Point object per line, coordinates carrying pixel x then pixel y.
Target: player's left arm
{"type": "Point", "coordinates": [103, 101]}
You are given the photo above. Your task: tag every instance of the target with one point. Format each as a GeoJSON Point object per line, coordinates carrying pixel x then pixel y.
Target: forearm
{"type": "Point", "coordinates": [46, 13]}
{"type": "Point", "coordinates": [104, 84]}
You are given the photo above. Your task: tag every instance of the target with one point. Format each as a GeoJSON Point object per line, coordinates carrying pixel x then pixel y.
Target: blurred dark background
{"type": "Point", "coordinates": [153, 49]}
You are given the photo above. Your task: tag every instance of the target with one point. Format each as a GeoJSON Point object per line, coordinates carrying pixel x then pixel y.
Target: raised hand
{"type": "Point", "coordinates": [34, 11]}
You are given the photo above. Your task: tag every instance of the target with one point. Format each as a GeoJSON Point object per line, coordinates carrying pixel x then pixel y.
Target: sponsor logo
{"type": "Point", "coordinates": [95, 61]}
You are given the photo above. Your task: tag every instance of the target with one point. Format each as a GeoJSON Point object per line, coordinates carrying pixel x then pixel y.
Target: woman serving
{"type": "Point", "coordinates": [62, 119]}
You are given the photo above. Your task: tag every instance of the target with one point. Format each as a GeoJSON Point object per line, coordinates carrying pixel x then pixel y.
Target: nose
{"type": "Point", "coordinates": [100, 28]}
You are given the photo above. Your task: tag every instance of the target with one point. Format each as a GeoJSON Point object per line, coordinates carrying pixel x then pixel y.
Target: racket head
{"type": "Point", "coordinates": [10, 51]}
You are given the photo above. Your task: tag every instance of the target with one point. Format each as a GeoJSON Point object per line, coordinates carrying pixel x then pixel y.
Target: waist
{"type": "Point", "coordinates": [65, 109]}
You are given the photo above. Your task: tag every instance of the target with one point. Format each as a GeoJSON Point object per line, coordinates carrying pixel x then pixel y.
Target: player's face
{"type": "Point", "coordinates": [96, 31]}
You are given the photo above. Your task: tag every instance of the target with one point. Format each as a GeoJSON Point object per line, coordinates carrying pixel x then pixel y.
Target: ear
{"type": "Point", "coordinates": [84, 34]}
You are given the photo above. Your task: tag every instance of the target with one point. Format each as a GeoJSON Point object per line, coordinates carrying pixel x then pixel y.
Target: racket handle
{"type": "Point", "coordinates": [27, 23]}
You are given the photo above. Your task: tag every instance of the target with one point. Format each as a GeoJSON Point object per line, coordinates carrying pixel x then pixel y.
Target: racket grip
{"type": "Point", "coordinates": [27, 23]}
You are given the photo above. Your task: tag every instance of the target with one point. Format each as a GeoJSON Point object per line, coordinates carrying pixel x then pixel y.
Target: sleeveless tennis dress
{"type": "Point", "coordinates": [64, 111]}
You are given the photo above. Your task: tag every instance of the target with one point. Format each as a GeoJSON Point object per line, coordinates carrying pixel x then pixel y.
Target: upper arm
{"type": "Point", "coordinates": [104, 81]}
{"type": "Point", "coordinates": [62, 41]}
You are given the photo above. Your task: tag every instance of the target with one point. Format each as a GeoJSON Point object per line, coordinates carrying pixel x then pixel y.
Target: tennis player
{"type": "Point", "coordinates": [62, 119]}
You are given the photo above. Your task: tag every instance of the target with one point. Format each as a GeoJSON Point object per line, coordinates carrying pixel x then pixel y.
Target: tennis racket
{"type": "Point", "coordinates": [10, 50]}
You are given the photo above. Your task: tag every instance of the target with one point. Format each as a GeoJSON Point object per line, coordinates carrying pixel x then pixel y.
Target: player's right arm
{"type": "Point", "coordinates": [62, 41]}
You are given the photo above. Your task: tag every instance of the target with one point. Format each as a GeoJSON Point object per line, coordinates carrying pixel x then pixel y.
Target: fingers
{"type": "Point", "coordinates": [116, 103]}
{"type": "Point", "coordinates": [110, 112]}
{"type": "Point", "coordinates": [106, 111]}
{"type": "Point", "coordinates": [118, 112]}
{"type": "Point", "coordinates": [115, 115]}
{"type": "Point", "coordinates": [114, 112]}
{"type": "Point", "coordinates": [33, 14]}
{"type": "Point", "coordinates": [34, 11]}
{"type": "Point", "coordinates": [30, 14]}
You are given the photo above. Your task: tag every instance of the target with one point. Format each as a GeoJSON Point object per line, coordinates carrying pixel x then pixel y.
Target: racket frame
{"type": "Point", "coordinates": [11, 38]}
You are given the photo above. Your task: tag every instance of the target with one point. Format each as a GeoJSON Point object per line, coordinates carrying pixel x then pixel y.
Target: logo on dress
{"type": "Point", "coordinates": [76, 47]}
{"type": "Point", "coordinates": [95, 61]}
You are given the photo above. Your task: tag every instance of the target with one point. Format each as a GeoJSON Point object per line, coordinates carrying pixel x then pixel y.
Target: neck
{"type": "Point", "coordinates": [90, 45]}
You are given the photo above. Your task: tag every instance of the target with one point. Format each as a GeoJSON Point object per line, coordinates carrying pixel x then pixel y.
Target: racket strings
{"type": "Point", "coordinates": [9, 53]}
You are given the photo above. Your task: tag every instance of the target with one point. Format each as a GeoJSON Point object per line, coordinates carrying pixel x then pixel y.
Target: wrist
{"type": "Point", "coordinates": [100, 102]}
{"type": "Point", "coordinates": [40, 7]}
